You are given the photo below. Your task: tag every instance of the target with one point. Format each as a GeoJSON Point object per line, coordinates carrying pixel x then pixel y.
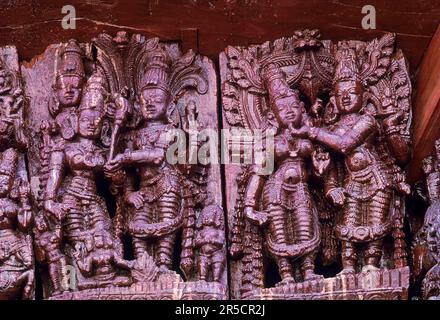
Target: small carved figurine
{"type": "Point", "coordinates": [16, 255]}
{"type": "Point", "coordinates": [210, 241]}
{"type": "Point", "coordinates": [97, 258]}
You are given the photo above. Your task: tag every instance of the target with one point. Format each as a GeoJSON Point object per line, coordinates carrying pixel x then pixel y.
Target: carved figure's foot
{"type": "Point", "coordinates": [310, 275]}
{"type": "Point", "coordinates": [164, 269]}
{"type": "Point", "coordinates": [286, 281]}
{"type": "Point", "coordinates": [27, 292]}
{"type": "Point", "coordinates": [347, 271]}
{"type": "Point", "coordinates": [370, 268]}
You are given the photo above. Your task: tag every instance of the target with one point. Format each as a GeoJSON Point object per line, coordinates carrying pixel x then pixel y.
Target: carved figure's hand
{"type": "Point", "coordinates": [337, 196]}
{"type": "Point", "coordinates": [302, 132]}
{"type": "Point", "coordinates": [56, 209]}
{"type": "Point", "coordinates": [404, 188]}
{"type": "Point", "coordinates": [257, 217]}
{"type": "Point", "coordinates": [316, 107]}
{"type": "Point", "coordinates": [393, 120]}
{"type": "Point", "coordinates": [114, 164]}
{"type": "Point", "coordinates": [135, 199]}
{"type": "Point", "coordinates": [4, 253]}
{"type": "Point", "coordinates": [122, 107]}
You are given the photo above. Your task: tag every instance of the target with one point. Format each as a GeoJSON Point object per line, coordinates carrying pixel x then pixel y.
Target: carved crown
{"type": "Point", "coordinates": [276, 84]}
{"type": "Point", "coordinates": [70, 63]}
{"type": "Point", "coordinates": [157, 70]}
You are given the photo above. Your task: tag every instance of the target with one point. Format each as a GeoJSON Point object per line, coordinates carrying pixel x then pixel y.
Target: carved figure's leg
{"type": "Point", "coordinates": [303, 229]}
{"type": "Point", "coordinates": [218, 265]}
{"type": "Point", "coordinates": [168, 208]}
{"type": "Point", "coordinates": [28, 279]}
{"type": "Point", "coordinates": [349, 257]}
{"type": "Point", "coordinates": [378, 211]}
{"type": "Point", "coordinates": [278, 233]}
{"type": "Point", "coordinates": [142, 215]}
{"type": "Point", "coordinates": [203, 267]}
{"type": "Point", "coordinates": [74, 220]}
{"type": "Point", "coordinates": [351, 218]}
{"type": "Point", "coordinates": [56, 275]}
{"type": "Point", "coordinates": [100, 218]}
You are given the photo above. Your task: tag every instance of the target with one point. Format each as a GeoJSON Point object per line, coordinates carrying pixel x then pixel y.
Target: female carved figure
{"type": "Point", "coordinates": [367, 193]}
{"type": "Point", "coordinates": [81, 209]}
{"type": "Point", "coordinates": [293, 231]}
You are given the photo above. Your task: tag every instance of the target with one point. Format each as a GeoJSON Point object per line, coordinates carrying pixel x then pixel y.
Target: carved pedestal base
{"type": "Point", "coordinates": [168, 287]}
{"type": "Point", "coordinates": [371, 285]}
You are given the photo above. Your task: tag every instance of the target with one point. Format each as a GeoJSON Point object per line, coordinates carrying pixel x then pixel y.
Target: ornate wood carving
{"type": "Point", "coordinates": [426, 259]}
{"type": "Point", "coordinates": [341, 117]}
{"type": "Point", "coordinates": [110, 207]}
{"type": "Point", "coordinates": [16, 217]}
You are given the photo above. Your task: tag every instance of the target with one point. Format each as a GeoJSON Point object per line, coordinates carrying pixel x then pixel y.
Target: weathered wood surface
{"type": "Point", "coordinates": [426, 107]}
{"type": "Point", "coordinates": [33, 25]}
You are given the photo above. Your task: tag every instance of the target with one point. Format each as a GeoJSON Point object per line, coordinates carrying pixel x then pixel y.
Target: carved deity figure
{"type": "Point", "coordinates": [430, 231]}
{"type": "Point", "coordinates": [74, 165]}
{"type": "Point", "coordinates": [293, 228]}
{"type": "Point", "coordinates": [157, 203]}
{"type": "Point", "coordinates": [210, 241]}
{"type": "Point", "coordinates": [369, 183]}
{"type": "Point", "coordinates": [66, 96]}
{"type": "Point", "coordinates": [16, 257]}
{"type": "Point", "coordinates": [16, 217]}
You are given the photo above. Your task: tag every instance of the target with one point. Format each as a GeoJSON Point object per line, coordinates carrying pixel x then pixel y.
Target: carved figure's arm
{"type": "Point", "coordinates": [350, 140]}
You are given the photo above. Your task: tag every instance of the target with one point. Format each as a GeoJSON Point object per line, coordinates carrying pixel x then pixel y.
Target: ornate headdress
{"type": "Point", "coordinates": [96, 83]}
{"type": "Point", "coordinates": [157, 70]}
{"type": "Point", "coordinates": [71, 64]}
{"type": "Point", "coordinates": [8, 163]}
{"type": "Point", "coordinates": [276, 84]}
{"type": "Point", "coordinates": [347, 67]}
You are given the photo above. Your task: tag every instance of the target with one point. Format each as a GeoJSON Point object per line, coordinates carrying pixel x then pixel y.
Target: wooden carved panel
{"type": "Point", "coordinates": [16, 216]}
{"type": "Point", "coordinates": [119, 215]}
{"type": "Point", "coordinates": [324, 201]}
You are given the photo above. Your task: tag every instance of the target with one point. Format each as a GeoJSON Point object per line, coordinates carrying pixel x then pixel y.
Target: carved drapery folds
{"type": "Point", "coordinates": [340, 116]}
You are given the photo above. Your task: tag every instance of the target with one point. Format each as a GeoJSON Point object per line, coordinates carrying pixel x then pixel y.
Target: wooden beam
{"type": "Point", "coordinates": [426, 107]}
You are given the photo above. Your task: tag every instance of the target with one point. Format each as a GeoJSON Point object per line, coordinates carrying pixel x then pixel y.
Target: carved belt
{"type": "Point", "coordinates": [364, 184]}
{"type": "Point", "coordinates": [361, 234]}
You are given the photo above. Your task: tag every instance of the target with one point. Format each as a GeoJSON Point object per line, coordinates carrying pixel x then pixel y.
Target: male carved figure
{"type": "Point", "coordinates": [366, 195]}
{"type": "Point", "coordinates": [210, 240]}
{"type": "Point", "coordinates": [157, 203]}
